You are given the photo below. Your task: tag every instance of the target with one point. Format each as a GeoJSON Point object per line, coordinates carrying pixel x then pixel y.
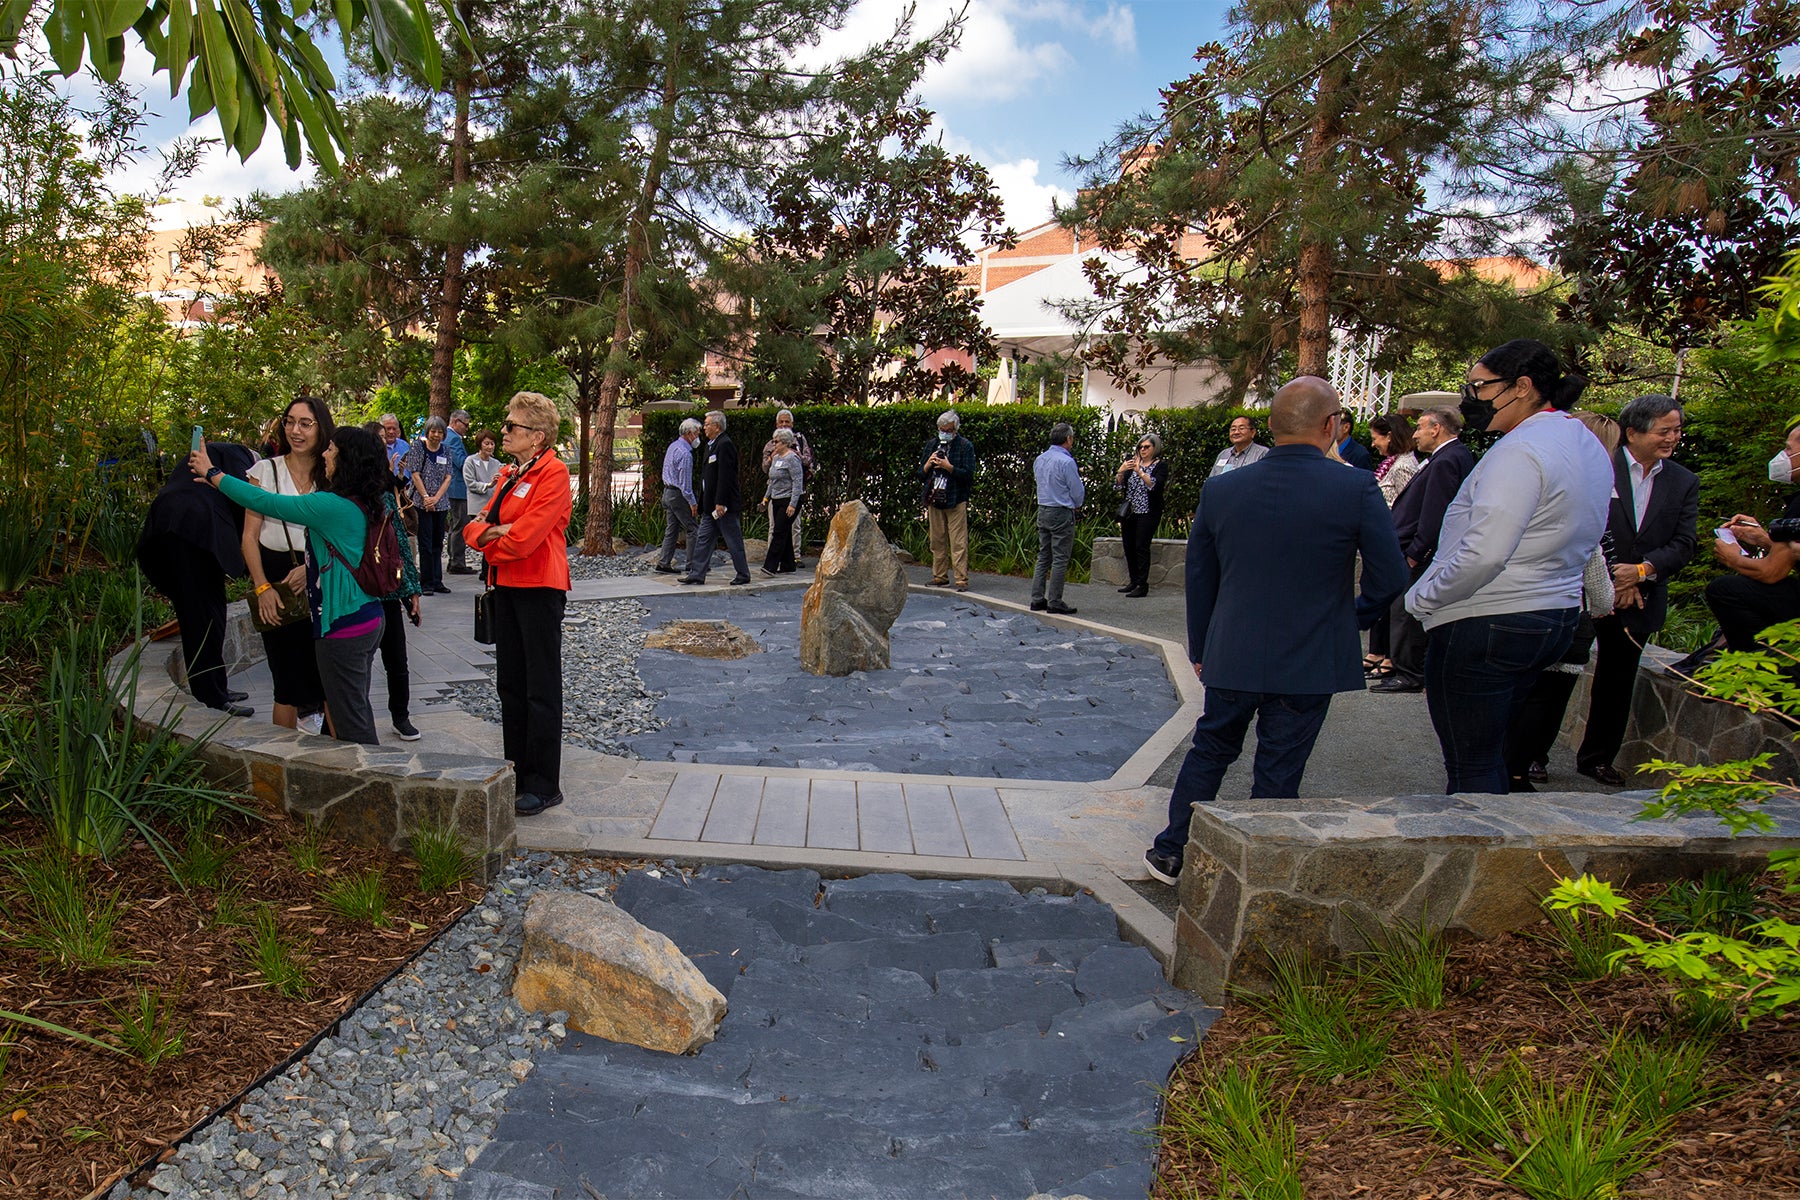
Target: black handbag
{"type": "Point", "coordinates": [484, 617]}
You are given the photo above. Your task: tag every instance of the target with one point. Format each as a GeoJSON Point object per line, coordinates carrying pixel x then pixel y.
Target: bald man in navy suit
{"type": "Point", "coordinates": [1273, 616]}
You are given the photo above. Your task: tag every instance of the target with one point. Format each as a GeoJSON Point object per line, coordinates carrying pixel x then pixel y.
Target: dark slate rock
{"type": "Point", "coordinates": [1118, 971]}
{"type": "Point", "coordinates": [925, 956]}
{"type": "Point", "coordinates": [1053, 918]}
{"type": "Point", "coordinates": [773, 987]}
{"type": "Point", "coordinates": [804, 925]}
{"type": "Point", "coordinates": [1067, 952]}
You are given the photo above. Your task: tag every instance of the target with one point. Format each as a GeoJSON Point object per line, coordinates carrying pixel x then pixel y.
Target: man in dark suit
{"type": "Point", "coordinates": [1651, 525]}
{"type": "Point", "coordinates": [721, 506]}
{"type": "Point", "coordinates": [1273, 635]}
{"type": "Point", "coordinates": [1418, 518]}
{"type": "Point", "coordinates": [1349, 449]}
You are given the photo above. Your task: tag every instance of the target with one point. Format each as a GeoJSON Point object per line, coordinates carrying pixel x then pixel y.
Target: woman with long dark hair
{"type": "Point", "coordinates": [275, 553]}
{"type": "Point", "coordinates": [347, 621]}
{"type": "Point", "coordinates": [1501, 599]}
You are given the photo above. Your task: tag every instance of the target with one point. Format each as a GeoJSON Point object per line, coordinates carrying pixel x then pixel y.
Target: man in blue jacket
{"type": "Point", "coordinates": [1272, 614]}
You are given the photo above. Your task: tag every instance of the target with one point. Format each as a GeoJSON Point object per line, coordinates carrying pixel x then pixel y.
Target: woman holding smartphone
{"type": "Point", "coordinates": [347, 621]}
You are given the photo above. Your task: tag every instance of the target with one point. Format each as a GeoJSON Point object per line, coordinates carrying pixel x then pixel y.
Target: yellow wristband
{"type": "Point", "coordinates": [263, 587]}
{"type": "Point", "coordinates": [1643, 572]}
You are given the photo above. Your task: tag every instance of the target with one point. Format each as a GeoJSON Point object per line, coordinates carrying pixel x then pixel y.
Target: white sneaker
{"type": "Point", "coordinates": [313, 723]}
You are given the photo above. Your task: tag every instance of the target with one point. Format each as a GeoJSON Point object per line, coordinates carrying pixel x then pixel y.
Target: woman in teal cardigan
{"type": "Point", "coordinates": [347, 621]}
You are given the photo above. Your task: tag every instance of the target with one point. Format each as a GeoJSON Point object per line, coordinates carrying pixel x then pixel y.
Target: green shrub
{"type": "Point", "coordinates": [83, 768]}
{"type": "Point", "coordinates": [1320, 1025]}
{"type": "Point", "coordinates": [361, 897]}
{"type": "Point", "coordinates": [70, 922]}
{"type": "Point", "coordinates": [443, 863]}
{"type": "Point", "coordinates": [149, 1026]}
{"type": "Point", "coordinates": [277, 957]}
{"type": "Point", "coordinates": [1230, 1115]}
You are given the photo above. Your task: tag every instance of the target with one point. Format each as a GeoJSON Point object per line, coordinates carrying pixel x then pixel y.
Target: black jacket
{"type": "Point", "coordinates": [719, 477]}
{"type": "Point", "coordinates": [1419, 510]}
{"type": "Point", "coordinates": [1666, 540]}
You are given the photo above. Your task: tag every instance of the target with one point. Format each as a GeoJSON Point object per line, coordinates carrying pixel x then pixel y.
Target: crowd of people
{"type": "Point", "coordinates": [1486, 585]}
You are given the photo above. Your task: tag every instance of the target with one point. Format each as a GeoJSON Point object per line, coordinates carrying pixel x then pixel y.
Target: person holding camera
{"type": "Point", "coordinates": [1761, 590]}
{"type": "Point", "coordinates": [1143, 478]}
{"type": "Point", "coordinates": [947, 464]}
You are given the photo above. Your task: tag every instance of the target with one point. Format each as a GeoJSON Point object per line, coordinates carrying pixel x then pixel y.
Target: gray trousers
{"type": "Point", "coordinates": [678, 518]}
{"type": "Point", "coordinates": [729, 530]}
{"type": "Point", "coordinates": [344, 665]}
{"type": "Point", "coordinates": [459, 516]}
{"type": "Point", "coordinates": [1056, 542]}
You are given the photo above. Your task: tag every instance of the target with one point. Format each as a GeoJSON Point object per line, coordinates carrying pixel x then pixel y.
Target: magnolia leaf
{"type": "Point", "coordinates": [65, 32]}
{"type": "Point", "coordinates": [220, 67]}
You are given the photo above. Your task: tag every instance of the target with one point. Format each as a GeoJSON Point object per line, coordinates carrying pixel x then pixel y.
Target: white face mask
{"type": "Point", "coordinates": [1781, 468]}
{"type": "Point", "coordinates": [944, 435]}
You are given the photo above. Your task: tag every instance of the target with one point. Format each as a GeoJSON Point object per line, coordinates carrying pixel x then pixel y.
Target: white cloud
{"type": "Point", "coordinates": [1026, 199]}
{"type": "Point", "coordinates": [1007, 47]}
{"type": "Point", "coordinates": [219, 172]}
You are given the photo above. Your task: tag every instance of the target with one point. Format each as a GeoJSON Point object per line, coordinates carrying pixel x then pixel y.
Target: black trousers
{"type": "Point", "coordinates": [393, 658]}
{"type": "Point", "coordinates": [431, 548]}
{"type": "Point", "coordinates": [195, 586]}
{"type": "Point", "coordinates": [1135, 532]}
{"type": "Point", "coordinates": [1406, 637]}
{"type": "Point", "coordinates": [1533, 729]}
{"type": "Point", "coordinates": [780, 556]}
{"type": "Point", "coordinates": [1744, 607]}
{"type": "Point", "coordinates": [1609, 702]}
{"type": "Point", "coordinates": [528, 676]}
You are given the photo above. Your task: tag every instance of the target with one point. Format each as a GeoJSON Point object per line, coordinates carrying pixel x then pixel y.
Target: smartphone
{"type": "Point", "coordinates": [199, 441]}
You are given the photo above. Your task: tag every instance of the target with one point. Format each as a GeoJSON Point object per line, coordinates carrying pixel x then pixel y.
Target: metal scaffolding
{"type": "Point", "coordinates": [1365, 392]}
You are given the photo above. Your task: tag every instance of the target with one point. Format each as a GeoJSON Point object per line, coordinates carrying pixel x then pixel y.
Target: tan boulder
{"type": "Point", "coordinates": [615, 978]}
{"type": "Point", "coordinates": [858, 591]}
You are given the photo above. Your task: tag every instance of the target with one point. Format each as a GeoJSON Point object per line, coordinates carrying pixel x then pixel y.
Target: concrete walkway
{"type": "Point", "coordinates": [1055, 833]}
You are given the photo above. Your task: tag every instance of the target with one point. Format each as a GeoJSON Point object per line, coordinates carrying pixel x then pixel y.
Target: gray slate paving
{"type": "Point", "coordinates": [887, 1037]}
{"type": "Point", "coordinates": [971, 693]}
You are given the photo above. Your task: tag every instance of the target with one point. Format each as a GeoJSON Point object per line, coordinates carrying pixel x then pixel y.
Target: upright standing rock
{"type": "Point", "coordinates": [615, 978]}
{"type": "Point", "coordinates": [859, 590]}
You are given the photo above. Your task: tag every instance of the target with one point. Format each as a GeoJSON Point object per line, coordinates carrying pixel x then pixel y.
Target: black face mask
{"type": "Point", "coordinates": [1478, 413]}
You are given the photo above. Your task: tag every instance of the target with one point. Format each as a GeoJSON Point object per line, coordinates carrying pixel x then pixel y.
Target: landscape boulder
{"type": "Point", "coordinates": [858, 591]}
{"type": "Point", "coordinates": [615, 978]}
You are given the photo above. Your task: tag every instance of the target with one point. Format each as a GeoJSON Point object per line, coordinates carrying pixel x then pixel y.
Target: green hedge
{"type": "Point", "coordinates": [873, 454]}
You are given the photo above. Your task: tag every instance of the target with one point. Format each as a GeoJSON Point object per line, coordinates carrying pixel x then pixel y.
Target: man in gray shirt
{"type": "Point", "coordinates": [1243, 450]}
{"type": "Point", "coordinates": [1059, 493]}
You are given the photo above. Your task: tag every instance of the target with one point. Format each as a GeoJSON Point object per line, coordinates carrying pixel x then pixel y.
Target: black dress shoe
{"type": "Point", "coordinates": [1039, 605]}
{"type": "Point", "coordinates": [236, 697]}
{"type": "Point", "coordinates": [1602, 773]}
{"type": "Point", "coordinates": [1060, 609]}
{"type": "Point", "coordinates": [1137, 593]}
{"type": "Point", "coordinates": [1397, 685]}
{"type": "Point", "coordinates": [441, 590]}
{"type": "Point", "coordinates": [1537, 772]}
{"type": "Point", "coordinates": [690, 581]}
{"type": "Point", "coordinates": [1128, 589]}
{"type": "Point", "coordinates": [528, 805]}
{"type": "Point", "coordinates": [234, 709]}
{"type": "Point", "coordinates": [660, 569]}
{"type": "Point", "coordinates": [462, 570]}
{"type": "Point", "coordinates": [740, 581]}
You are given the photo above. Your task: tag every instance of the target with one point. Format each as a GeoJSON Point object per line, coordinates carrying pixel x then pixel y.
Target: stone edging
{"type": "Point", "coordinates": [372, 795]}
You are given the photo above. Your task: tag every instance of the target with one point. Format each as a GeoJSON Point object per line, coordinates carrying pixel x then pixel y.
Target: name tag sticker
{"type": "Point", "coordinates": [522, 490]}
{"type": "Point", "coordinates": [712, 458]}
{"type": "Point", "coordinates": [442, 461]}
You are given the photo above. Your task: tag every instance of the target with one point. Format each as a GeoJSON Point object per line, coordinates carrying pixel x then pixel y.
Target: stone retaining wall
{"type": "Point", "coordinates": [1318, 878]}
{"type": "Point", "coordinates": [1669, 722]}
{"type": "Point", "coordinates": [1168, 562]}
{"type": "Point", "coordinates": [372, 795]}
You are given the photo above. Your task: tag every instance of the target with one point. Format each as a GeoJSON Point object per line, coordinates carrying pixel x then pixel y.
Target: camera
{"type": "Point", "coordinates": [1783, 529]}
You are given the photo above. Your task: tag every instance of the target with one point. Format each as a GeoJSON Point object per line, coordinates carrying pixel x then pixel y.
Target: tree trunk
{"type": "Point", "coordinates": [449, 306]}
{"type": "Point", "coordinates": [597, 537]}
{"type": "Point", "coordinates": [1317, 254]}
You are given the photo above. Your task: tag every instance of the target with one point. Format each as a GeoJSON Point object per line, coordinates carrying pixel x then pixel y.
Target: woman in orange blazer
{"type": "Point", "coordinates": [521, 535]}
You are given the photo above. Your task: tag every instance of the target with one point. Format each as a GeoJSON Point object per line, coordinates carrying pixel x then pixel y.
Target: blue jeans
{"type": "Point", "coordinates": [1056, 541]}
{"type": "Point", "coordinates": [1478, 672]}
{"type": "Point", "coordinates": [1286, 728]}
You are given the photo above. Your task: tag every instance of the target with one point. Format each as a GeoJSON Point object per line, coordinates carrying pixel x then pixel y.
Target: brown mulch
{"type": "Point", "coordinates": [73, 1118]}
{"type": "Point", "coordinates": [1514, 994]}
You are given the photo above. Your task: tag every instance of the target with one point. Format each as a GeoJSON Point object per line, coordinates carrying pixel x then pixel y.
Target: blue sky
{"type": "Point", "coordinates": [1031, 82]}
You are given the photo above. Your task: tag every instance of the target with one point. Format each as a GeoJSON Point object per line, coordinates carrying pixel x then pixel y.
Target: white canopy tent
{"type": "Point", "coordinates": [1026, 319]}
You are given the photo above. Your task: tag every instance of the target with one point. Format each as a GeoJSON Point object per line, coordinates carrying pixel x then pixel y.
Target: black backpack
{"type": "Point", "coordinates": [378, 575]}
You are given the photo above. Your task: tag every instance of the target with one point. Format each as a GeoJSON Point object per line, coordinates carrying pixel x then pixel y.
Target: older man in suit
{"type": "Point", "coordinates": [1273, 636]}
{"type": "Point", "coordinates": [1418, 519]}
{"type": "Point", "coordinates": [1650, 522]}
{"type": "Point", "coordinates": [721, 507]}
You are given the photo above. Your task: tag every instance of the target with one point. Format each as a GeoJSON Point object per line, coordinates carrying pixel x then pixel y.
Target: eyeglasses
{"type": "Point", "coordinates": [300, 423]}
{"type": "Point", "coordinates": [1146, 445]}
{"type": "Point", "coordinates": [1471, 390]}
{"type": "Point", "coordinates": [509, 426]}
